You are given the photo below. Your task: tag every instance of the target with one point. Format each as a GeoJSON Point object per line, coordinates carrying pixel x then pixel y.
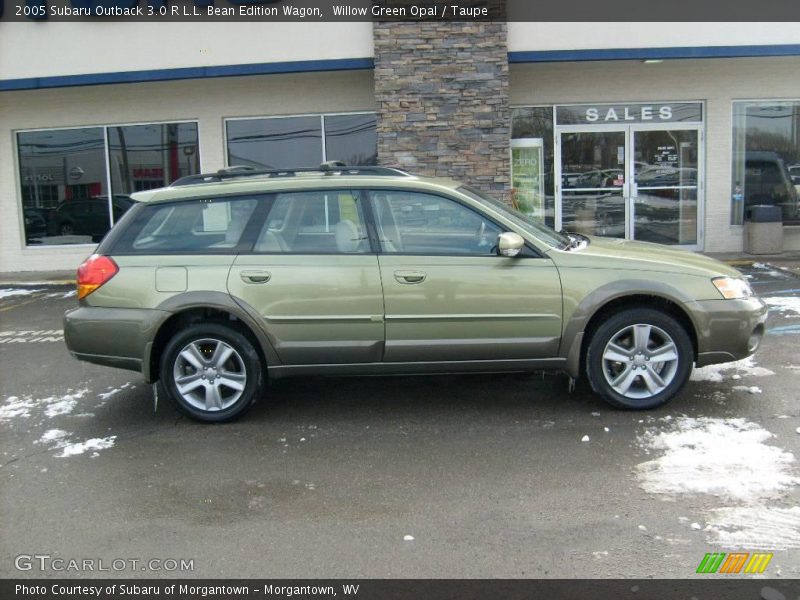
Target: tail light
{"type": "Point", "coordinates": [94, 272]}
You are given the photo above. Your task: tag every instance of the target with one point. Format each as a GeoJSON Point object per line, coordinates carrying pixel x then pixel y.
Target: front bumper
{"type": "Point", "coordinates": [113, 337]}
{"type": "Point", "coordinates": [727, 329]}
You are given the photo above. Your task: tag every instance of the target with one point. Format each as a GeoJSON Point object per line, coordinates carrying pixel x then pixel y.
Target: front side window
{"type": "Point", "coordinates": [419, 223]}
{"type": "Point", "coordinates": [766, 158]}
{"type": "Point", "coordinates": [315, 222]}
{"type": "Point", "coordinates": [75, 186]}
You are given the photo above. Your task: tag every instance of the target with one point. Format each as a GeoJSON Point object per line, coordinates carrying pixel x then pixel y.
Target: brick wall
{"type": "Point", "coordinates": [443, 100]}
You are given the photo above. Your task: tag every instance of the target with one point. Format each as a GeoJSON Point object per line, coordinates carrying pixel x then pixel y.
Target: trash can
{"type": "Point", "coordinates": [763, 229]}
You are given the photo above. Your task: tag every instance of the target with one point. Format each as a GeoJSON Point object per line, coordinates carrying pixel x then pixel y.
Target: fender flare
{"type": "Point", "coordinates": [575, 330]}
{"type": "Point", "coordinates": [219, 301]}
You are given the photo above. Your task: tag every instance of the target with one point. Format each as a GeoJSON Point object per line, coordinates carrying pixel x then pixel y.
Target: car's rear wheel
{"type": "Point", "coordinates": [639, 359]}
{"type": "Point", "coordinates": [66, 228]}
{"type": "Point", "coordinates": [211, 372]}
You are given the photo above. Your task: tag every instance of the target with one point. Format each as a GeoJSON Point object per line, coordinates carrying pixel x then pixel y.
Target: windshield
{"type": "Point", "coordinates": [523, 221]}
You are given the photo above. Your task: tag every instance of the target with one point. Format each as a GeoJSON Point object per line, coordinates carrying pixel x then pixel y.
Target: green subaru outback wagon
{"type": "Point", "coordinates": [221, 281]}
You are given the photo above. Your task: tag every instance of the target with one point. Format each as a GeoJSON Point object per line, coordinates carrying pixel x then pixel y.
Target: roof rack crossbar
{"type": "Point", "coordinates": [327, 169]}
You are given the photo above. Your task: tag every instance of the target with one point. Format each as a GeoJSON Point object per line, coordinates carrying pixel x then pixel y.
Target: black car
{"type": "Point", "coordinates": [87, 216]}
{"type": "Point", "coordinates": [35, 225]}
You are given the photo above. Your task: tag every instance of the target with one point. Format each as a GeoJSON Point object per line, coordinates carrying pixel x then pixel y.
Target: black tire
{"type": "Point", "coordinates": [650, 383]}
{"type": "Point", "coordinates": [66, 228]}
{"type": "Point", "coordinates": [197, 346]}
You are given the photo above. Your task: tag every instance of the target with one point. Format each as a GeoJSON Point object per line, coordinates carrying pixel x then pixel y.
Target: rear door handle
{"type": "Point", "coordinates": [409, 276]}
{"type": "Point", "coordinates": [255, 276]}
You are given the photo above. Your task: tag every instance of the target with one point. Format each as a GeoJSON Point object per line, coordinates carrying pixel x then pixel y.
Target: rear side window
{"type": "Point", "coordinates": [314, 222]}
{"type": "Point", "coordinates": [207, 225]}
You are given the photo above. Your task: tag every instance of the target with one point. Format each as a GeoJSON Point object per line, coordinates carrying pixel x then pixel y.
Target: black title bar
{"type": "Point", "coordinates": [731, 588]}
{"type": "Point", "coordinates": [608, 11]}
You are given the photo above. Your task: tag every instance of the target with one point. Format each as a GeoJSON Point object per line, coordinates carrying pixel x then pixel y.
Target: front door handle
{"type": "Point", "coordinates": [409, 276]}
{"type": "Point", "coordinates": [255, 276]}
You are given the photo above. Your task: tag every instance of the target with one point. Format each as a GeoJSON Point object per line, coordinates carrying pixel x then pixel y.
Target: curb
{"type": "Point", "coordinates": [49, 282]}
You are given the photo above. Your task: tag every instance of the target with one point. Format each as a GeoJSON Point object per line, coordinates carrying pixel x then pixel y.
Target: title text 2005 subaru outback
{"type": "Point", "coordinates": [220, 281]}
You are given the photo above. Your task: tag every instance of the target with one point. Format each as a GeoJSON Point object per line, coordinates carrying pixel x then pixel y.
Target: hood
{"type": "Point", "coordinates": [614, 253]}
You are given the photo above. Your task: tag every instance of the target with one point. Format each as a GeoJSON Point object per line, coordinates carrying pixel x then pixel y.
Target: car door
{"type": "Point", "coordinates": [314, 279]}
{"type": "Point", "coordinates": [448, 296]}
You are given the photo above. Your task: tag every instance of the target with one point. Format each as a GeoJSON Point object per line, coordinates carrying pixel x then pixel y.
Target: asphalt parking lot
{"type": "Point", "coordinates": [467, 476]}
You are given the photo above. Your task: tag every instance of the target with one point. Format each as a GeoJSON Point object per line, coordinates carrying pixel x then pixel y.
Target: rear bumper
{"type": "Point", "coordinates": [113, 337]}
{"type": "Point", "coordinates": [727, 329]}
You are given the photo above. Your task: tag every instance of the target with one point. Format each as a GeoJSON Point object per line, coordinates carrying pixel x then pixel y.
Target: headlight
{"type": "Point", "coordinates": [732, 289]}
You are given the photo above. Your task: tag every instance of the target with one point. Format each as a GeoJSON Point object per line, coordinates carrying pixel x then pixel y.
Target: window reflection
{"type": "Point", "coordinates": [537, 123]}
{"type": "Point", "coordinates": [64, 175]}
{"type": "Point", "coordinates": [766, 158]}
{"type": "Point", "coordinates": [352, 139]}
{"type": "Point", "coordinates": [59, 171]}
{"type": "Point", "coordinates": [277, 143]}
{"type": "Point", "coordinates": [144, 157]}
{"type": "Point", "coordinates": [292, 142]}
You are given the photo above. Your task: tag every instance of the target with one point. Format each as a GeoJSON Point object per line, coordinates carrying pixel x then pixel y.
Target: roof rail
{"type": "Point", "coordinates": [332, 167]}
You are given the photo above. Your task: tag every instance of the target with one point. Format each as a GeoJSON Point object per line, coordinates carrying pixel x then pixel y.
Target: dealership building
{"type": "Point", "coordinates": [664, 132]}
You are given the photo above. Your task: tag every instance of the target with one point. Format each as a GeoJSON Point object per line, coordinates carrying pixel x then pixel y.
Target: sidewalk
{"type": "Point", "coordinates": [789, 261]}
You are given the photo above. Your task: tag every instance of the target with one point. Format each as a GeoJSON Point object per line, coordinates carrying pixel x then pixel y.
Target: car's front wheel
{"type": "Point", "coordinates": [639, 359]}
{"type": "Point", "coordinates": [211, 372]}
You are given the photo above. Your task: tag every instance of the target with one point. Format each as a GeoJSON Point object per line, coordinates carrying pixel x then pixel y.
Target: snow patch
{"type": "Point", "coordinates": [723, 457]}
{"type": "Point", "coordinates": [784, 304]}
{"type": "Point", "coordinates": [68, 294]}
{"type": "Point", "coordinates": [78, 448]}
{"type": "Point", "coordinates": [585, 438]}
{"type": "Point", "coordinates": [408, 538]}
{"type": "Point", "coordinates": [106, 395]}
{"type": "Point", "coordinates": [53, 436]}
{"type": "Point", "coordinates": [714, 373]}
{"type": "Point", "coordinates": [759, 528]}
{"type": "Point", "coordinates": [63, 405]}
{"type": "Point", "coordinates": [16, 407]}
{"type": "Point", "coordinates": [9, 292]}
{"type": "Point", "coordinates": [749, 389]}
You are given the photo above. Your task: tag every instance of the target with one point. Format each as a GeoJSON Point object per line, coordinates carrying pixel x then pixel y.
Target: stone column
{"type": "Point", "coordinates": [443, 103]}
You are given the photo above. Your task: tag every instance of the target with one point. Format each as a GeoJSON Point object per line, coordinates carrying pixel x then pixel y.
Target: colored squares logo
{"type": "Point", "coordinates": [735, 562]}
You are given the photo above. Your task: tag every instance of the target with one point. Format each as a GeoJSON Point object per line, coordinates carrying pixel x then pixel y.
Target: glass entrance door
{"type": "Point", "coordinates": [593, 199]}
{"type": "Point", "coordinates": [633, 181]}
{"type": "Point", "coordinates": [665, 185]}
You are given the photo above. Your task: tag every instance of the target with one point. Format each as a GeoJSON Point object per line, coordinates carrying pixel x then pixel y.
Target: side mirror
{"type": "Point", "coordinates": [509, 244]}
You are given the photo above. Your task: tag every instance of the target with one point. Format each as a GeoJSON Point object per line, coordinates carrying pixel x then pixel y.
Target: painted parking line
{"type": "Point", "coordinates": [31, 336]}
{"type": "Point", "coordinates": [33, 298]}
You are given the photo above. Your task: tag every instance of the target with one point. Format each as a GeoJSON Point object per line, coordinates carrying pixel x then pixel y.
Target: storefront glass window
{"type": "Point", "coordinates": [278, 143]}
{"type": "Point", "coordinates": [351, 138]}
{"type": "Point", "coordinates": [144, 157]}
{"type": "Point", "coordinates": [532, 156]}
{"type": "Point", "coordinates": [766, 158]}
{"type": "Point", "coordinates": [291, 142]}
{"type": "Point", "coordinates": [65, 175]}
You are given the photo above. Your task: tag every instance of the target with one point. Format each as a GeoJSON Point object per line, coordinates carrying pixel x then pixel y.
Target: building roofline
{"type": "Point", "coordinates": [301, 66]}
{"type": "Point", "coordinates": [593, 54]}
{"type": "Point", "coordinates": [367, 63]}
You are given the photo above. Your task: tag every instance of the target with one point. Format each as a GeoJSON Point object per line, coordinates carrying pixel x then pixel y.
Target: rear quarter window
{"type": "Point", "coordinates": [193, 226]}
